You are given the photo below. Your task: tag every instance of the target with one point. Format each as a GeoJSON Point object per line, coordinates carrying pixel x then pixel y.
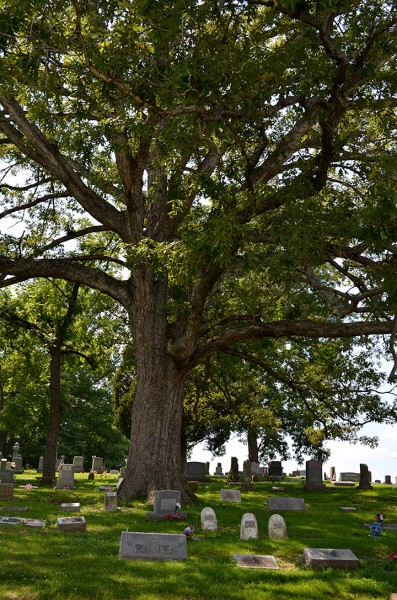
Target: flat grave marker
{"type": "Point", "coordinates": [230, 495]}
{"type": "Point", "coordinates": [328, 557]}
{"type": "Point", "coordinates": [277, 504]}
{"type": "Point", "coordinates": [11, 521]}
{"type": "Point", "coordinates": [256, 561]}
{"type": "Point", "coordinates": [70, 506]}
{"type": "Point", "coordinates": [347, 509]}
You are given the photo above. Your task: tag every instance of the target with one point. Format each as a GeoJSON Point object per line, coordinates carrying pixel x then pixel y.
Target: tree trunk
{"type": "Point", "coordinates": [50, 452]}
{"type": "Point", "coordinates": [155, 456]}
{"type": "Point", "coordinates": [252, 441]}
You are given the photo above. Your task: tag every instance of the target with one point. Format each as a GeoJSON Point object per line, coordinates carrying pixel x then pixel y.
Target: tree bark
{"type": "Point", "coordinates": [55, 412]}
{"type": "Point", "coordinates": [252, 441]}
{"type": "Point", "coordinates": [155, 456]}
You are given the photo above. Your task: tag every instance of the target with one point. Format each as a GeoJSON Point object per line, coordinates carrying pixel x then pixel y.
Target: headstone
{"type": "Point", "coordinates": [388, 479]}
{"type": "Point", "coordinates": [7, 476]}
{"type": "Point", "coordinates": [234, 473]}
{"type": "Point", "coordinates": [15, 508]}
{"type": "Point", "coordinates": [378, 481]}
{"type": "Point", "coordinates": [166, 502]}
{"type": "Point", "coordinates": [71, 523]}
{"type": "Point", "coordinates": [3, 464]}
{"type": "Point", "coordinates": [17, 462]}
{"type": "Point", "coordinates": [365, 478]}
{"type": "Point", "coordinates": [256, 561]}
{"type": "Point", "coordinates": [70, 506]}
{"type": "Point", "coordinates": [15, 450]}
{"type": "Point", "coordinates": [314, 476]}
{"type": "Point", "coordinates": [97, 463]}
{"type": "Point", "coordinates": [231, 495]}
{"type": "Point", "coordinates": [327, 557]}
{"type": "Point", "coordinates": [277, 488]}
{"type": "Point", "coordinates": [332, 474]}
{"type": "Point", "coordinates": [78, 464]}
{"type": "Point", "coordinates": [65, 478]}
{"type": "Point", "coordinates": [194, 486]}
{"type": "Point", "coordinates": [255, 468]}
{"type": "Point", "coordinates": [275, 470]}
{"type": "Point", "coordinates": [208, 519]}
{"type": "Point", "coordinates": [34, 522]}
{"type": "Point", "coordinates": [196, 471]}
{"type": "Point", "coordinates": [247, 473]}
{"type": "Point", "coordinates": [349, 476]}
{"type": "Point", "coordinates": [11, 521]}
{"type": "Point", "coordinates": [218, 470]}
{"type": "Point", "coordinates": [41, 464]}
{"type": "Point", "coordinates": [153, 546]}
{"type": "Point", "coordinates": [347, 509]}
{"type": "Point", "coordinates": [91, 475]}
{"type": "Point", "coordinates": [285, 504]}
{"type": "Point", "coordinates": [277, 529]}
{"type": "Point", "coordinates": [8, 465]}
{"type": "Point", "coordinates": [110, 502]}
{"type": "Point", "coordinates": [248, 527]}
{"type": "Point", "coordinates": [6, 491]}
{"type": "Point", "coordinates": [207, 467]}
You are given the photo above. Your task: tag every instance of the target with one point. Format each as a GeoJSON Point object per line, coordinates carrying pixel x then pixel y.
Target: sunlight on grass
{"type": "Point", "coordinates": [47, 564]}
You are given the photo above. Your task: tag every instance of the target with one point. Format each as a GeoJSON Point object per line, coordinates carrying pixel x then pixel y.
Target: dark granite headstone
{"type": "Point", "coordinates": [365, 478]}
{"type": "Point", "coordinates": [196, 471]}
{"type": "Point", "coordinates": [314, 476]}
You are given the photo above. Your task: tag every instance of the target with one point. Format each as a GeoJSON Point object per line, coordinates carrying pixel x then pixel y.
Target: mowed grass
{"type": "Point", "coordinates": [44, 563]}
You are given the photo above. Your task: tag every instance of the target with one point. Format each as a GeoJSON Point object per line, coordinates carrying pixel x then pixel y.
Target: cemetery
{"type": "Point", "coordinates": [233, 544]}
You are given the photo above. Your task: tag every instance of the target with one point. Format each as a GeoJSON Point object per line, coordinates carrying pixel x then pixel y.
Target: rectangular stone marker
{"type": "Point", "coordinates": [196, 471]}
{"type": "Point", "coordinates": [231, 495]}
{"type": "Point", "coordinates": [256, 561]}
{"type": "Point", "coordinates": [7, 476]}
{"type": "Point", "coordinates": [285, 504]}
{"type": "Point", "coordinates": [34, 522]}
{"type": "Point", "coordinates": [6, 491]}
{"type": "Point", "coordinates": [327, 557]}
{"type": "Point", "coordinates": [347, 509]}
{"type": "Point", "coordinates": [152, 546]}
{"type": "Point", "coordinates": [349, 476]}
{"type": "Point", "coordinates": [165, 502]}
{"type": "Point", "coordinates": [343, 483]}
{"type": "Point", "coordinates": [71, 523]}
{"type": "Point", "coordinates": [11, 521]}
{"type": "Point", "coordinates": [70, 506]}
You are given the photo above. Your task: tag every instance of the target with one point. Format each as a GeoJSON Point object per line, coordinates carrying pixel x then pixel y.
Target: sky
{"type": "Point", "coordinates": [381, 460]}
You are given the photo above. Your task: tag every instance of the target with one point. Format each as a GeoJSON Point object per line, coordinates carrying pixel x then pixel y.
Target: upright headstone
{"type": "Point", "coordinates": [332, 474]}
{"type": "Point", "coordinates": [208, 519]}
{"type": "Point", "coordinates": [314, 476]}
{"type": "Point", "coordinates": [196, 471]}
{"type": "Point", "coordinates": [41, 464]}
{"type": "Point", "coordinates": [275, 470]}
{"type": "Point", "coordinates": [3, 464]}
{"type": "Point", "coordinates": [388, 479]}
{"type": "Point", "coordinates": [7, 476]}
{"type": "Point", "coordinates": [247, 475]}
{"type": "Point", "coordinates": [110, 502]}
{"type": "Point", "coordinates": [166, 502]}
{"type": "Point", "coordinates": [255, 469]}
{"type": "Point", "coordinates": [277, 528]}
{"type": "Point", "coordinates": [97, 463]}
{"type": "Point", "coordinates": [152, 546]}
{"type": "Point", "coordinates": [234, 474]}
{"type": "Point", "coordinates": [218, 470]}
{"type": "Point", "coordinates": [78, 464]}
{"type": "Point", "coordinates": [66, 477]}
{"type": "Point", "coordinates": [365, 478]}
{"type": "Point", "coordinates": [248, 527]}
{"type": "Point", "coordinates": [17, 458]}
{"type": "Point", "coordinates": [6, 491]}
{"type": "Point", "coordinates": [349, 476]}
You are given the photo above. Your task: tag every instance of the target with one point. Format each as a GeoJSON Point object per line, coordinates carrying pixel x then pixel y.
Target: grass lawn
{"type": "Point", "coordinates": [44, 563]}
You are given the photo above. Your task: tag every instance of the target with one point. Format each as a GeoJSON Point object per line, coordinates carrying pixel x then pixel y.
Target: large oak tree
{"type": "Point", "coordinates": [235, 159]}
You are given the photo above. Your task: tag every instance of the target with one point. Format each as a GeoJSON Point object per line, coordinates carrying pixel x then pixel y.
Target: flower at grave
{"type": "Point", "coordinates": [177, 506]}
{"type": "Point", "coordinates": [173, 517]}
{"type": "Point", "coordinates": [376, 529]}
{"type": "Point", "coordinates": [13, 465]}
{"type": "Point", "coordinates": [188, 531]}
{"type": "Point", "coordinates": [393, 556]}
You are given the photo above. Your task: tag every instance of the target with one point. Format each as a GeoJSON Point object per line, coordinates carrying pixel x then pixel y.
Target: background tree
{"type": "Point", "coordinates": [233, 141]}
{"type": "Point", "coordinates": [51, 323]}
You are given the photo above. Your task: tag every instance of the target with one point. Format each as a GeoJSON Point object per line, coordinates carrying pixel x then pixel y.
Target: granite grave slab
{"type": "Point", "coordinates": [152, 546]}
{"type": "Point", "coordinates": [230, 495]}
{"type": "Point", "coordinates": [328, 557]}
{"type": "Point", "coordinates": [71, 523]}
{"type": "Point", "coordinates": [256, 561]}
{"type": "Point", "coordinates": [280, 503]}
